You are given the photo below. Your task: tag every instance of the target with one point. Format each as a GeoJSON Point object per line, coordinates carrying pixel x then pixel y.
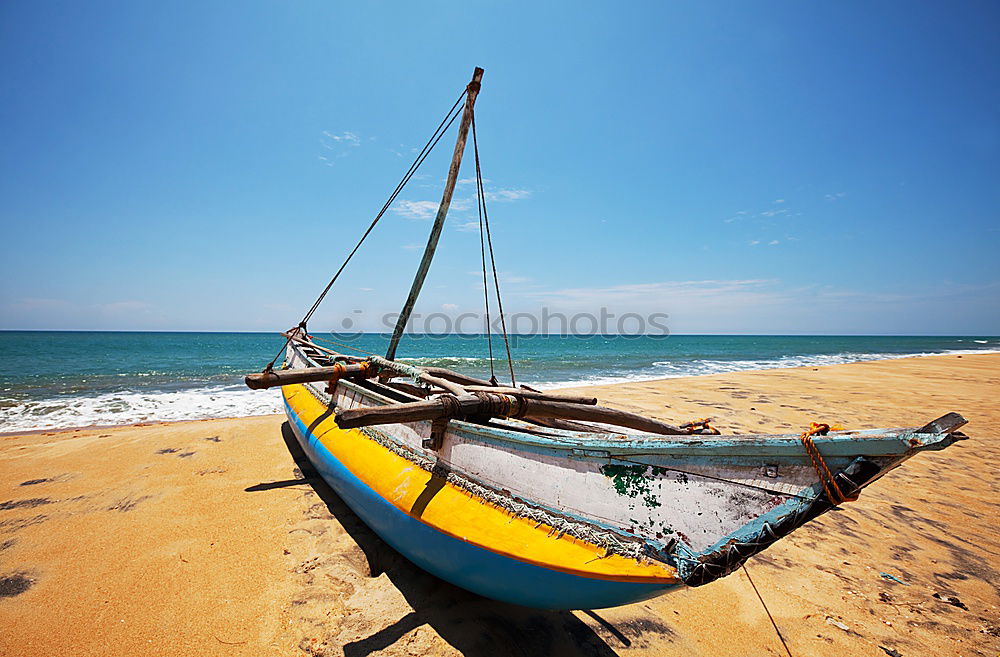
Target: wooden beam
{"type": "Point", "coordinates": [533, 394]}
{"type": "Point", "coordinates": [275, 378]}
{"type": "Point", "coordinates": [477, 405]}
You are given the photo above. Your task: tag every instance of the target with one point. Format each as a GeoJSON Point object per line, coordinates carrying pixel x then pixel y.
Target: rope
{"type": "Point", "coordinates": [489, 242]}
{"type": "Point", "coordinates": [764, 604]}
{"type": "Point", "coordinates": [439, 132]}
{"type": "Point", "coordinates": [830, 487]}
{"type": "Point", "coordinates": [480, 199]}
{"type": "Point", "coordinates": [701, 426]}
{"type": "Point", "coordinates": [343, 344]}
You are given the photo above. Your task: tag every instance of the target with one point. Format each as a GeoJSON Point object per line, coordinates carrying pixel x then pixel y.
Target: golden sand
{"type": "Point", "coordinates": [196, 538]}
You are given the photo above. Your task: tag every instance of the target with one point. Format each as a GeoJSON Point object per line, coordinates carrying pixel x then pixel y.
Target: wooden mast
{"type": "Point", "coordinates": [449, 189]}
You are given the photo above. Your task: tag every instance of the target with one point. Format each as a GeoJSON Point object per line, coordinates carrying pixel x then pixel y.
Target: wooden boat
{"type": "Point", "coordinates": [552, 501]}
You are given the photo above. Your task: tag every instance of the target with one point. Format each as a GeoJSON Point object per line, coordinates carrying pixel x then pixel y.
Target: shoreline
{"type": "Point", "coordinates": [562, 387]}
{"type": "Point", "coordinates": [209, 536]}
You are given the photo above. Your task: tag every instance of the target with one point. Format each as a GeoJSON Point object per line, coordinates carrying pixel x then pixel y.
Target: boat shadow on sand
{"type": "Point", "coordinates": [472, 624]}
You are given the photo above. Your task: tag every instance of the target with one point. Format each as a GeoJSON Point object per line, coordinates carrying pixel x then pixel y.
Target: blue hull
{"type": "Point", "coordinates": [465, 565]}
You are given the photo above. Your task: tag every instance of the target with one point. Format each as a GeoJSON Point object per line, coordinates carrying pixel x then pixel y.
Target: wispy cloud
{"type": "Point", "coordinates": [835, 197]}
{"type": "Point", "coordinates": [346, 138]}
{"type": "Point", "coordinates": [504, 195]}
{"type": "Point", "coordinates": [337, 145]}
{"type": "Point", "coordinates": [416, 209]}
{"type": "Point", "coordinates": [411, 247]}
{"type": "Point", "coordinates": [428, 209]}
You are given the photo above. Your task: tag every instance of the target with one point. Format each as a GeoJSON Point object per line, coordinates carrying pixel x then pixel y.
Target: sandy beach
{"type": "Point", "coordinates": [214, 538]}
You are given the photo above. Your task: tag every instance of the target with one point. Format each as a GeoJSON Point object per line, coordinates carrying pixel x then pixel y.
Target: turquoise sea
{"type": "Point", "coordinates": [67, 379]}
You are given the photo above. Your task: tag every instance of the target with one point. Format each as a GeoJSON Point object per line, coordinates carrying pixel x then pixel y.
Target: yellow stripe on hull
{"type": "Point", "coordinates": [457, 513]}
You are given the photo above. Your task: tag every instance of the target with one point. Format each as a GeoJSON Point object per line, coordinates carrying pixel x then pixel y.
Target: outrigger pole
{"type": "Point", "coordinates": [449, 189]}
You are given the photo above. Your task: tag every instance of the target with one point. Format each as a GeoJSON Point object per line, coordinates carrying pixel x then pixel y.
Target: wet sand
{"type": "Point", "coordinates": [209, 538]}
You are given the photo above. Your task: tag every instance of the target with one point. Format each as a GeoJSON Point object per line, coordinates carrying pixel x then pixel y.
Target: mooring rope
{"type": "Point", "coordinates": [768, 611]}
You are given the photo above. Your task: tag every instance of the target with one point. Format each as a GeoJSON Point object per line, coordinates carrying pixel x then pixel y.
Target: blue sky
{"type": "Point", "coordinates": [770, 167]}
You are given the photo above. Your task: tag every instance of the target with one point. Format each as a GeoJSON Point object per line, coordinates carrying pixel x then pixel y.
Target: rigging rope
{"type": "Point", "coordinates": [439, 132]}
{"type": "Point", "coordinates": [482, 250]}
{"type": "Point", "coordinates": [485, 219]}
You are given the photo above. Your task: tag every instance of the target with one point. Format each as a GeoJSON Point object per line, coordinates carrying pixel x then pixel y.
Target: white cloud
{"type": "Point", "coordinates": [468, 227]}
{"type": "Point", "coordinates": [779, 200]}
{"type": "Point", "coordinates": [347, 138]}
{"type": "Point", "coordinates": [416, 209]}
{"type": "Point", "coordinates": [449, 306]}
{"type": "Point", "coordinates": [411, 247]}
{"type": "Point", "coordinates": [428, 209]}
{"type": "Point", "coordinates": [835, 197]}
{"type": "Point", "coordinates": [754, 242]}
{"type": "Point", "coordinates": [504, 195]}
{"type": "Point", "coordinates": [774, 213]}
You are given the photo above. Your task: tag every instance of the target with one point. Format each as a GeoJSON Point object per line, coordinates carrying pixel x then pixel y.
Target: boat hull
{"type": "Point", "coordinates": [464, 564]}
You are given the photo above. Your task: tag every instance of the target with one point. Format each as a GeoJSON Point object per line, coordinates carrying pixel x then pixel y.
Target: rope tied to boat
{"type": "Point", "coordinates": [700, 426]}
{"type": "Point", "coordinates": [826, 478]}
{"type": "Point", "coordinates": [367, 371]}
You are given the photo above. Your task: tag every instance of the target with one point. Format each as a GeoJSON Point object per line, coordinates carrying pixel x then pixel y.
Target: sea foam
{"type": "Point", "coordinates": [133, 407]}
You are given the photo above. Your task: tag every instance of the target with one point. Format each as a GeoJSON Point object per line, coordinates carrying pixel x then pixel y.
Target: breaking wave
{"type": "Point", "coordinates": [115, 408]}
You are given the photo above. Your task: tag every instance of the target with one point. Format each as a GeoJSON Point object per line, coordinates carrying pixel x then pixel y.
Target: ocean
{"type": "Point", "coordinates": [56, 379]}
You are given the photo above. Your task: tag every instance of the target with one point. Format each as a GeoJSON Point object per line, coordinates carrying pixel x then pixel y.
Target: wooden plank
{"type": "Point", "coordinates": [481, 405]}
{"type": "Point", "coordinates": [262, 380]}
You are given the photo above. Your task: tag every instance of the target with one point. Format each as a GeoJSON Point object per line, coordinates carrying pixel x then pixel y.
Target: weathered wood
{"type": "Point", "coordinates": [433, 409]}
{"type": "Point", "coordinates": [480, 405]}
{"type": "Point", "coordinates": [612, 416]}
{"type": "Point", "coordinates": [944, 424]}
{"type": "Point", "coordinates": [566, 425]}
{"type": "Point", "coordinates": [533, 394]}
{"type": "Point", "coordinates": [408, 388]}
{"type": "Point", "coordinates": [452, 375]}
{"type": "Point", "coordinates": [449, 190]}
{"type": "Point", "coordinates": [312, 345]}
{"type": "Point", "coordinates": [440, 372]}
{"type": "Point", "coordinates": [262, 380]}
{"type": "Point", "coordinates": [421, 374]}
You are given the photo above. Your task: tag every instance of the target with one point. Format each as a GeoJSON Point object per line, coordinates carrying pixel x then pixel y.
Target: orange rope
{"type": "Point", "coordinates": [698, 425]}
{"type": "Point", "coordinates": [830, 487]}
{"type": "Point", "coordinates": [339, 369]}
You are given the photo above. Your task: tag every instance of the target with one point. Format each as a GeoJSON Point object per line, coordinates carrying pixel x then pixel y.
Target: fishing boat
{"type": "Point", "coordinates": [548, 500]}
